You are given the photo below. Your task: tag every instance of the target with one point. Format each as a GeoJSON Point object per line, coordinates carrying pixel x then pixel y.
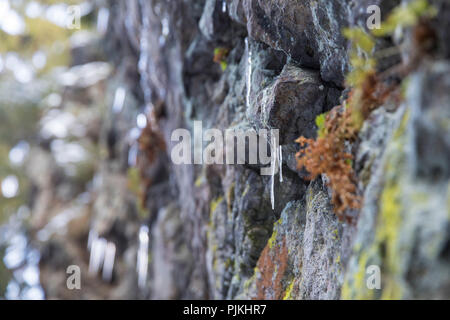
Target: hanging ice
{"type": "Point", "coordinates": [119, 99]}
{"type": "Point", "coordinates": [273, 165]}
{"type": "Point", "coordinates": [102, 20]}
{"type": "Point", "coordinates": [224, 6]}
{"type": "Point", "coordinates": [280, 162]}
{"type": "Point", "coordinates": [249, 71]}
{"type": "Point", "coordinates": [143, 63]}
{"type": "Point", "coordinates": [102, 253]}
{"type": "Point", "coordinates": [142, 257]}
{"type": "Point", "coordinates": [108, 265]}
{"type": "Point", "coordinates": [97, 256]}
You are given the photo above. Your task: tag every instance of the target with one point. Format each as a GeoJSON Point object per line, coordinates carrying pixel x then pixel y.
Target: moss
{"type": "Point", "coordinates": [327, 154]}
{"type": "Point", "coordinates": [320, 123]}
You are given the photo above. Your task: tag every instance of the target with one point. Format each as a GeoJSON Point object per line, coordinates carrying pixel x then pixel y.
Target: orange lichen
{"type": "Point", "coordinates": [272, 266]}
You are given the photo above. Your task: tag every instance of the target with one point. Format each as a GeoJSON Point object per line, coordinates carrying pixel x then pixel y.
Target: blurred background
{"type": "Point", "coordinates": [53, 97]}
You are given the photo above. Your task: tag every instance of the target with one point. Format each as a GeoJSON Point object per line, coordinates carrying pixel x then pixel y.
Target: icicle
{"type": "Point", "coordinates": [280, 162]}
{"type": "Point", "coordinates": [119, 99]}
{"type": "Point", "coordinates": [108, 265]}
{"type": "Point", "coordinates": [143, 63]}
{"type": "Point", "coordinates": [224, 6]}
{"type": "Point", "coordinates": [165, 28]}
{"type": "Point", "coordinates": [97, 255]}
{"type": "Point", "coordinates": [272, 178]}
{"type": "Point", "coordinates": [132, 154]}
{"type": "Point", "coordinates": [102, 20]}
{"type": "Point", "coordinates": [93, 236]}
{"type": "Point", "coordinates": [142, 257]}
{"type": "Point", "coordinates": [101, 252]}
{"type": "Point", "coordinates": [249, 71]}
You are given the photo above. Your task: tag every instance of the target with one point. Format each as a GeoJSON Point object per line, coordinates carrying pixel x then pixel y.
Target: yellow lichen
{"type": "Point", "coordinates": [273, 238]}
{"type": "Point", "coordinates": [357, 289]}
{"type": "Point", "coordinates": [387, 229]}
{"type": "Point", "coordinates": [214, 204]}
{"type": "Point", "coordinates": [288, 292]}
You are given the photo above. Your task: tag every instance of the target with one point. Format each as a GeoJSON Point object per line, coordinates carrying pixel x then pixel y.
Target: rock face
{"type": "Point", "coordinates": [213, 232]}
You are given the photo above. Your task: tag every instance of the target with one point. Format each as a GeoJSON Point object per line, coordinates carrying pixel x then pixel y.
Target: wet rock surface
{"type": "Point", "coordinates": [212, 231]}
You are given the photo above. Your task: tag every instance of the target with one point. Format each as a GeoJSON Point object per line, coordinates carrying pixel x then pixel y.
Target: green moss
{"type": "Point", "coordinates": [220, 56]}
{"type": "Point", "coordinates": [360, 39]}
{"type": "Point", "coordinates": [320, 123]}
{"type": "Point", "coordinates": [405, 16]}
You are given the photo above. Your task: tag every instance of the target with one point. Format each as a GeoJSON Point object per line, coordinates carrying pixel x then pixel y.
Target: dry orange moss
{"type": "Point", "coordinates": [328, 153]}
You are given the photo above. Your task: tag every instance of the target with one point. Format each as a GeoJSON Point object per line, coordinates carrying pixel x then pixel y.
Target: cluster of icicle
{"type": "Point", "coordinates": [102, 254]}
{"type": "Point", "coordinates": [277, 155]}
